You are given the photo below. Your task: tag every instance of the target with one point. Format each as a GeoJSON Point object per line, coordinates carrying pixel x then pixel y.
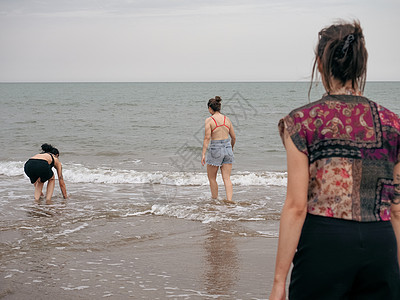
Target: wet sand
{"type": "Point", "coordinates": [150, 257]}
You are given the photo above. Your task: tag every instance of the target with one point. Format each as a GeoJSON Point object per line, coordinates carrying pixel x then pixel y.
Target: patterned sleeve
{"type": "Point", "coordinates": [398, 151]}
{"type": "Point", "coordinates": [296, 132]}
{"type": "Point", "coordinates": [391, 120]}
{"type": "Point", "coordinates": [397, 126]}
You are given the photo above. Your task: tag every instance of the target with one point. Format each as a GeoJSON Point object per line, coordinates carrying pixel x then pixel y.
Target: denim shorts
{"type": "Point", "coordinates": [219, 153]}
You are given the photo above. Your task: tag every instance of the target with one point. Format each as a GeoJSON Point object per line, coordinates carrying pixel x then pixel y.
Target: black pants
{"type": "Point", "coordinates": [339, 259]}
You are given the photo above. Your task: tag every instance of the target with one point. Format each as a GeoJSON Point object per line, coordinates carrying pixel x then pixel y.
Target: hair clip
{"type": "Point", "coordinates": [349, 40]}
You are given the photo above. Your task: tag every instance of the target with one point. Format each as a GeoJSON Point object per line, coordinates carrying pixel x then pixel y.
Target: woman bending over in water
{"type": "Point", "coordinates": [39, 170]}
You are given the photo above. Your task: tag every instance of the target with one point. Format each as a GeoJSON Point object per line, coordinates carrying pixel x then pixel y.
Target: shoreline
{"type": "Point", "coordinates": [173, 258]}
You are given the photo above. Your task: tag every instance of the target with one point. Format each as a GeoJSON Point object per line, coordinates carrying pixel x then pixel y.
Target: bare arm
{"type": "Point", "coordinates": [233, 135]}
{"type": "Point", "coordinates": [58, 166]}
{"type": "Point", "coordinates": [395, 207]}
{"type": "Point", "coordinates": [293, 215]}
{"type": "Point", "coordinates": [207, 138]}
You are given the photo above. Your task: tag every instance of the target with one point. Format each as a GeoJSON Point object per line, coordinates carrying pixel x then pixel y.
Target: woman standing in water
{"type": "Point", "coordinates": [39, 170]}
{"type": "Point", "coordinates": [340, 224]}
{"type": "Point", "coordinates": [218, 128]}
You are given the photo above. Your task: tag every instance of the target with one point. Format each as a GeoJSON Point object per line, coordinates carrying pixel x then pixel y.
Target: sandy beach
{"type": "Point", "coordinates": [166, 259]}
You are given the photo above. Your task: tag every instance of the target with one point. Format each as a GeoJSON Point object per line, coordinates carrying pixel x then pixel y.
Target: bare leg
{"type": "Point", "coordinates": [41, 194]}
{"type": "Point", "coordinates": [212, 178]}
{"type": "Point", "coordinates": [226, 176]}
{"type": "Point", "coordinates": [50, 189]}
{"type": "Point", "coordinates": [38, 189]}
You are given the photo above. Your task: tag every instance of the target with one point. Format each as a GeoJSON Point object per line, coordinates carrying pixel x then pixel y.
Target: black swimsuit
{"type": "Point", "coordinates": [39, 168]}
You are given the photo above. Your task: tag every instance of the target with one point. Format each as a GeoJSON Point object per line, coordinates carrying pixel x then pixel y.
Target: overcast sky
{"type": "Point", "coordinates": [184, 40]}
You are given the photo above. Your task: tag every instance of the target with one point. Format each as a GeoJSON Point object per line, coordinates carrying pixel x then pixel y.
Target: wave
{"type": "Point", "coordinates": [78, 173]}
{"type": "Point", "coordinates": [212, 213]}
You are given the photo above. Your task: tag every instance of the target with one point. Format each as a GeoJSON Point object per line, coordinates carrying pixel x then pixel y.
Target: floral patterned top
{"type": "Point", "coordinates": [352, 145]}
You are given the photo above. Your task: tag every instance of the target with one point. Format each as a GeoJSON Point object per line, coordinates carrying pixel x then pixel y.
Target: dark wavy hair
{"type": "Point", "coordinates": [47, 148]}
{"type": "Point", "coordinates": [215, 103]}
{"type": "Point", "coordinates": [342, 54]}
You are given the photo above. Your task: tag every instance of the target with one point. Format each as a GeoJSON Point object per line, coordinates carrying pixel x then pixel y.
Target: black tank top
{"type": "Point", "coordinates": [52, 161]}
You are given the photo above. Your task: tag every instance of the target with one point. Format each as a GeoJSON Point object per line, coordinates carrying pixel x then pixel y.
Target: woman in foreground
{"type": "Point", "coordinates": [218, 128]}
{"type": "Point", "coordinates": [39, 170]}
{"type": "Point", "coordinates": [340, 224]}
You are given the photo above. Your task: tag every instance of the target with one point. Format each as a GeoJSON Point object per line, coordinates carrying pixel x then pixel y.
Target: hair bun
{"type": "Point", "coordinates": [215, 103]}
{"type": "Point", "coordinates": [47, 148]}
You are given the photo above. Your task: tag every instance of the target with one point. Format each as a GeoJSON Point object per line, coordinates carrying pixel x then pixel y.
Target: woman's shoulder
{"type": "Point", "coordinates": [326, 103]}
{"type": "Point", "coordinates": [40, 155]}
{"type": "Point", "coordinates": [387, 117]}
{"type": "Point", "coordinates": [302, 115]}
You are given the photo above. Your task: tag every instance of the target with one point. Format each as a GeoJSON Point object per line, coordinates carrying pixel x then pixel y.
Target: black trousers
{"type": "Point", "coordinates": [340, 259]}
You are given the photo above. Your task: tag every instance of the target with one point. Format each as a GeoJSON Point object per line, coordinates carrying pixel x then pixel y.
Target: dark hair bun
{"type": "Point", "coordinates": [47, 148]}
{"type": "Point", "coordinates": [342, 54]}
{"type": "Point", "coordinates": [215, 103]}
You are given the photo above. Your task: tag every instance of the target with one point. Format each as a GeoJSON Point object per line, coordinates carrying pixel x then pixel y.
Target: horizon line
{"type": "Point", "coordinates": [218, 81]}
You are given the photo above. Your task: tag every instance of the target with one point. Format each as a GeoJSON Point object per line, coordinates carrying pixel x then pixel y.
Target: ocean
{"type": "Point", "coordinates": [131, 155]}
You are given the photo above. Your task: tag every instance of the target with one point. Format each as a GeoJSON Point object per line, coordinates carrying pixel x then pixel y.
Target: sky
{"type": "Point", "coordinates": [184, 40]}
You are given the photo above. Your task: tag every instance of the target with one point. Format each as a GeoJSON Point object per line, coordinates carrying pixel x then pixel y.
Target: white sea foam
{"type": "Point", "coordinates": [204, 214]}
{"type": "Point", "coordinates": [80, 174]}
{"type": "Point", "coordinates": [11, 168]}
{"type": "Point", "coordinates": [71, 288]}
{"type": "Point", "coordinates": [68, 231]}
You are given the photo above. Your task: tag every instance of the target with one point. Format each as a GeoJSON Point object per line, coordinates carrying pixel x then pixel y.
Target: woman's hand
{"type": "Point", "coordinates": [203, 160]}
{"type": "Point", "coordinates": [278, 292]}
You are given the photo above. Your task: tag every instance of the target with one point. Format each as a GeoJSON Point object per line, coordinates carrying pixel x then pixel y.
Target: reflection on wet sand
{"type": "Point", "coordinates": [222, 262]}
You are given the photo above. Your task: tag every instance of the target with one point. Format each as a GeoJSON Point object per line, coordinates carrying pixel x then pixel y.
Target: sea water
{"type": "Point", "coordinates": [134, 149]}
